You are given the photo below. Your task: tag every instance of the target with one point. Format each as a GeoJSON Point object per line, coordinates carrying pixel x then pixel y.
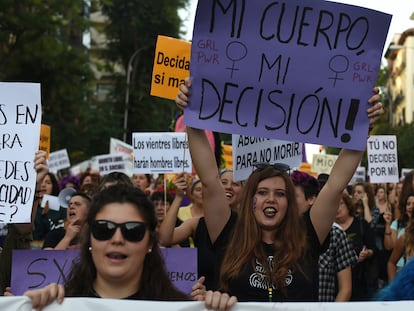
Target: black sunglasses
{"type": "Point", "coordinates": [132, 231]}
{"type": "Point", "coordinates": [277, 166]}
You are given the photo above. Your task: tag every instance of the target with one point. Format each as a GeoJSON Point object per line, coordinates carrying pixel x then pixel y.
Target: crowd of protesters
{"type": "Point", "coordinates": [281, 235]}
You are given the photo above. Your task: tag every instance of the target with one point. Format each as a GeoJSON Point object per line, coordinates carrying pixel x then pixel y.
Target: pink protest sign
{"type": "Point", "coordinates": [292, 70]}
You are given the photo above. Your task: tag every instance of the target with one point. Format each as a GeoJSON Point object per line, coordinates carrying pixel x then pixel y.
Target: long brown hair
{"type": "Point", "coordinates": [155, 283]}
{"type": "Point", "coordinates": [246, 242]}
{"type": "Point", "coordinates": [409, 237]}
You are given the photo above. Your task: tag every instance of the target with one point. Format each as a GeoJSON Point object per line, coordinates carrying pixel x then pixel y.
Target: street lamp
{"type": "Point", "coordinates": [128, 81]}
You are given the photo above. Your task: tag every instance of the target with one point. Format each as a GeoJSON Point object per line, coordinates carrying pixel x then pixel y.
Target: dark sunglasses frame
{"type": "Point", "coordinates": [277, 166]}
{"type": "Point", "coordinates": [132, 231]}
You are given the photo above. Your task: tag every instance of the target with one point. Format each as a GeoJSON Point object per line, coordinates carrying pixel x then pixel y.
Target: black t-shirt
{"type": "Point", "coordinates": [211, 255]}
{"type": "Point", "coordinates": [252, 284]}
{"type": "Point", "coordinates": [361, 234]}
{"type": "Point", "coordinates": [55, 236]}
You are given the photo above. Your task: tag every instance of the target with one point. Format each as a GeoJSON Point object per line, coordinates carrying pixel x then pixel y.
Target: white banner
{"type": "Point", "coordinates": [382, 158]}
{"type": "Point", "coordinates": [20, 116]}
{"type": "Point", "coordinates": [166, 152]}
{"type": "Point", "coordinates": [249, 150]}
{"type": "Point", "coordinates": [22, 303]}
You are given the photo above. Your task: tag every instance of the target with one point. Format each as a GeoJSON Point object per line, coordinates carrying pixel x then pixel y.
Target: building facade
{"type": "Point", "coordinates": [400, 80]}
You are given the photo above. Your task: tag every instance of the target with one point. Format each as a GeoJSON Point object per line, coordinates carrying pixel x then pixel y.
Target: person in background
{"type": "Point", "coordinates": [322, 179]}
{"type": "Point", "coordinates": [363, 241]}
{"type": "Point", "coordinates": [404, 190]}
{"type": "Point", "coordinates": [363, 191]}
{"type": "Point", "coordinates": [162, 203]}
{"type": "Point", "coordinates": [380, 223]}
{"type": "Point", "coordinates": [393, 194]}
{"type": "Point", "coordinates": [170, 233]}
{"type": "Point", "coordinates": [143, 182]}
{"type": "Point", "coordinates": [381, 199]}
{"type": "Point", "coordinates": [47, 219]}
{"type": "Point", "coordinates": [233, 189]}
{"type": "Point", "coordinates": [401, 287]}
{"type": "Point", "coordinates": [335, 274]}
{"type": "Point", "coordinates": [120, 257]}
{"type": "Point", "coordinates": [19, 235]}
{"type": "Point", "coordinates": [89, 182]}
{"type": "Point", "coordinates": [397, 227]}
{"type": "Point", "coordinates": [69, 181]}
{"type": "Point", "coordinates": [68, 237]}
{"type": "Point", "coordinates": [404, 248]}
{"type": "Point", "coordinates": [268, 256]}
{"type": "Point", "coordinates": [398, 190]}
{"type": "Point", "coordinates": [195, 209]}
{"type": "Point", "coordinates": [114, 178]}
{"type": "Point", "coordinates": [3, 234]}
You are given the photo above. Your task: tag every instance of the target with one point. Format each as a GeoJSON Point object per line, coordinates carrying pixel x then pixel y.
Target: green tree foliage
{"type": "Point", "coordinates": [41, 42]}
{"type": "Point", "coordinates": [135, 24]}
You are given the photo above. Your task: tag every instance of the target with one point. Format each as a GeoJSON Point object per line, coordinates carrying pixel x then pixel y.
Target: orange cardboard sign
{"type": "Point", "coordinates": [44, 143]}
{"type": "Point", "coordinates": [171, 66]}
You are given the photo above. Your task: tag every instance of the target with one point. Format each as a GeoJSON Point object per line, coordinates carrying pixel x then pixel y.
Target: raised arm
{"type": "Point", "coordinates": [396, 254]}
{"type": "Point", "coordinates": [216, 207]}
{"type": "Point", "coordinates": [324, 209]}
{"type": "Point", "coordinates": [170, 234]}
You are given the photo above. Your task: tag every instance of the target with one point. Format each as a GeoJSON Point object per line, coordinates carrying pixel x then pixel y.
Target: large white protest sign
{"type": "Point", "coordinates": [323, 163]}
{"type": "Point", "coordinates": [250, 150]}
{"type": "Point", "coordinates": [382, 158]}
{"type": "Point", "coordinates": [58, 160]}
{"type": "Point", "coordinates": [20, 118]}
{"type": "Point", "coordinates": [166, 152]}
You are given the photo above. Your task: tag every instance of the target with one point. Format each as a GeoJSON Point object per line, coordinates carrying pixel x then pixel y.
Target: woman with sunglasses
{"type": "Point", "coordinates": [119, 255]}
{"type": "Point", "coordinates": [272, 254]}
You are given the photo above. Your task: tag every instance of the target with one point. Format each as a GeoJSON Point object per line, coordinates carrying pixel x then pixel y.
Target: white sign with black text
{"type": "Point", "coordinates": [382, 158]}
{"type": "Point", "coordinates": [166, 152]}
{"type": "Point", "coordinates": [250, 150]}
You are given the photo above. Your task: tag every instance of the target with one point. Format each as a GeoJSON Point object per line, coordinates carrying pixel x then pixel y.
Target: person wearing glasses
{"type": "Point", "coordinates": [267, 254]}
{"type": "Point", "coordinates": [120, 256]}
